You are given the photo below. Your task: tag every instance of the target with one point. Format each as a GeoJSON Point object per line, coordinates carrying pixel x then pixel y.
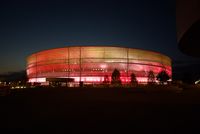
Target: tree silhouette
{"type": "Point", "coordinates": [116, 77]}
{"type": "Point", "coordinates": [162, 77]}
{"type": "Point", "coordinates": [134, 81]}
{"type": "Point", "coordinates": [151, 78]}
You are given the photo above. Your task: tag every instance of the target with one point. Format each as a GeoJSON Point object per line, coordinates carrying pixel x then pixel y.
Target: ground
{"type": "Point", "coordinates": [100, 110]}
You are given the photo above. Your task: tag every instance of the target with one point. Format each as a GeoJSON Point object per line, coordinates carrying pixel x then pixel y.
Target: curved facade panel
{"type": "Point", "coordinates": [92, 63]}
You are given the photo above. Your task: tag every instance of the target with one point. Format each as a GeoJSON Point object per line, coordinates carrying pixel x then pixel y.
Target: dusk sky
{"type": "Point", "coordinates": [30, 26]}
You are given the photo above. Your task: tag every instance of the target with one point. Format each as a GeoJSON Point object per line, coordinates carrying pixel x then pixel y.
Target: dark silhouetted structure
{"type": "Point", "coordinates": [188, 26]}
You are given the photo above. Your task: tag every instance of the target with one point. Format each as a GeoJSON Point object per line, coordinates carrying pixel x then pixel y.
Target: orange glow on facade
{"type": "Point", "coordinates": [92, 63]}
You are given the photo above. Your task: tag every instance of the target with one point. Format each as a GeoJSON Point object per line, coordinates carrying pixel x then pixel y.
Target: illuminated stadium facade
{"type": "Point", "coordinates": [91, 64]}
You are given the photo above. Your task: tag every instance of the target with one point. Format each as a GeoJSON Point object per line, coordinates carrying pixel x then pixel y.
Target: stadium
{"type": "Point", "coordinates": [93, 64]}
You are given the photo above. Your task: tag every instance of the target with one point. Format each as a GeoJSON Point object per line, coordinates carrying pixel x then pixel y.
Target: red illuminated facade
{"type": "Point", "coordinates": [91, 64]}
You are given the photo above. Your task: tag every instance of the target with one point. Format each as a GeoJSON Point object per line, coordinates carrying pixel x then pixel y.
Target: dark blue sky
{"type": "Point", "coordinates": [30, 26]}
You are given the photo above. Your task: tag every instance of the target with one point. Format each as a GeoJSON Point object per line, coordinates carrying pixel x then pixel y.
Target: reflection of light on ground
{"type": "Point", "coordinates": [37, 80]}
{"type": "Point", "coordinates": [93, 79]}
{"type": "Point", "coordinates": [197, 82]}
